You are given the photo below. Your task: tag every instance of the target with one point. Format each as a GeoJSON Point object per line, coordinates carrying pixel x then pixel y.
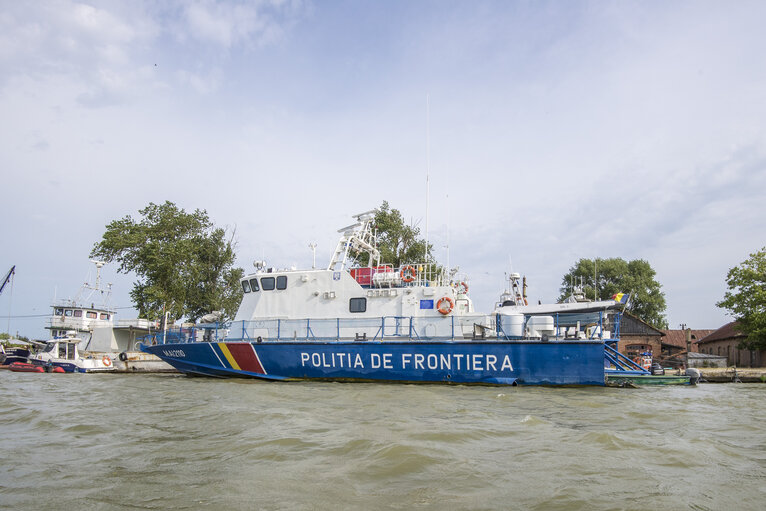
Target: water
{"type": "Point", "coordinates": [171, 442]}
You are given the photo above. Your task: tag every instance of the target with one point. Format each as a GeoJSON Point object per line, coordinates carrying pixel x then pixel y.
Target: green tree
{"type": "Point", "coordinates": [398, 242]}
{"type": "Point", "coordinates": [183, 262]}
{"type": "Point", "coordinates": [746, 299]}
{"type": "Point", "coordinates": [615, 275]}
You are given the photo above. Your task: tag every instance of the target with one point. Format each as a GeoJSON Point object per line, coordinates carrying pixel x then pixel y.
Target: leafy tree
{"type": "Point", "coordinates": [615, 275]}
{"type": "Point", "coordinates": [746, 299]}
{"type": "Point", "coordinates": [398, 242]}
{"type": "Point", "coordinates": [184, 263]}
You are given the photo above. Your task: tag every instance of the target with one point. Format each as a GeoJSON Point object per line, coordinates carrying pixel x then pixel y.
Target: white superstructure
{"type": "Point", "coordinates": [417, 290]}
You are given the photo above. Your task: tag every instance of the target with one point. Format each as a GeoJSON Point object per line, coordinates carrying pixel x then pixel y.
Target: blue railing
{"type": "Point", "coordinates": [579, 326]}
{"type": "Point", "coordinates": [377, 328]}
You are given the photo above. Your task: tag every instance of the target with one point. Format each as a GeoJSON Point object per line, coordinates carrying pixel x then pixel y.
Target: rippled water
{"type": "Point", "coordinates": [171, 442]}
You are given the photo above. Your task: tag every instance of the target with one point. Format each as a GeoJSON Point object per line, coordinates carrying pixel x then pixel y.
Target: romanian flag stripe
{"type": "Point", "coordinates": [228, 355]}
{"type": "Point", "coordinates": [242, 356]}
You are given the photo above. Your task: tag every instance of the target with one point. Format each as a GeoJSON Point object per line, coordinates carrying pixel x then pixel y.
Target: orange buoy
{"type": "Point", "coordinates": [445, 305]}
{"type": "Point", "coordinates": [408, 273]}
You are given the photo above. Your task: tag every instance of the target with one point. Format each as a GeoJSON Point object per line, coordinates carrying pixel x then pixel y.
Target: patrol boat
{"type": "Point", "coordinates": [379, 323]}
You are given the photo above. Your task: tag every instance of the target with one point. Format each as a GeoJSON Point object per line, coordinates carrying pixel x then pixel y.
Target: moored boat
{"type": "Point", "coordinates": [64, 353]}
{"type": "Point", "coordinates": [413, 323]}
{"type": "Point", "coordinates": [91, 317]}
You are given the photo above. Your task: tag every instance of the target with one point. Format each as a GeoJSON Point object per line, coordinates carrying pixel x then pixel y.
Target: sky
{"type": "Point", "coordinates": [547, 132]}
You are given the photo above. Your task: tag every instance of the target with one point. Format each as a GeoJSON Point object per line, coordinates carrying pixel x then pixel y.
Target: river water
{"type": "Point", "coordinates": [73, 441]}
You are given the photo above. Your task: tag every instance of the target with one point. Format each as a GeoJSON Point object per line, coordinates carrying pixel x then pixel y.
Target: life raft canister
{"type": "Point", "coordinates": [408, 273]}
{"type": "Point", "coordinates": [445, 305]}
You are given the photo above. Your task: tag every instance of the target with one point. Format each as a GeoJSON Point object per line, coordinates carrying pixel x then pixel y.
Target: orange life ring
{"type": "Point", "coordinates": [408, 273]}
{"type": "Point", "coordinates": [107, 361]}
{"type": "Point", "coordinates": [464, 285]}
{"type": "Point", "coordinates": [442, 308]}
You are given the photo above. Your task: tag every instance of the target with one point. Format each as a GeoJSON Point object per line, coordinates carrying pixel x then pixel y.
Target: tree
{"type": "Point", "coordinates": [184, 263]}
{"type": "Point", "coordinates": [746, 299]}
{"type": "Point", "coordinates": [398, 242]}
{"type": "Point", "coordinates": [615, 275]}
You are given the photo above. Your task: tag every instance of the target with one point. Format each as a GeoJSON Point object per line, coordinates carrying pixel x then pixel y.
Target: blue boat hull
{"type": "Point", "coordinates": [462, 362]}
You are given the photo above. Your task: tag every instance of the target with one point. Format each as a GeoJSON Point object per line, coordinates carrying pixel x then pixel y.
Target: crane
{"type": "Point", "coordinates": [7, 278]}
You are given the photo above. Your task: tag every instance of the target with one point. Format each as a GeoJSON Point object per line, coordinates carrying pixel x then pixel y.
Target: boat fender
{"type": "Point", "coordinates": [408, 273]}
{"type": "Point", "coordinates": [58, 369]}
{"type": "Point", "coordinates": [123, 356]}
{"type": "Point", "coordinates": [107, 361]}
{"type": "Point", "coordinates": [445, 305]}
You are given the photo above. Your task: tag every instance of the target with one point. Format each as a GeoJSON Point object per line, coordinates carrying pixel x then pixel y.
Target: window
{"type": "Point", "coordinates": [245, 286]}
{"type": "Point", "coordinates": [78, 314]}
{"type": "Point", "coordinates": [357, 305]}
{"type": "Point", "coordinates": [68, 313]}
{"type": "Point", "coordinates": [59, 312]}
{"type": "Point", "coordinates": [104, 315]}
{"type": "Point", "coordinates": [91, 315]}
{"type": "Point", "coordinates": [282, 282]}
{"type": "Point", "coordinates": [254, 285]}
{"type": "Point", "coordinates": [267, 283]}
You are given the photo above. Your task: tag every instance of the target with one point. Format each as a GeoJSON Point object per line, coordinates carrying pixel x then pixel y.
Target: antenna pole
{"type": "Point", "coordinates": [313, 247]}
{"type": "Point", "coordinates": [448, 232]}
{"type": "Point", "coordinates": [428, 164]}
{"type": "Point", "coordinates": [595, 279]}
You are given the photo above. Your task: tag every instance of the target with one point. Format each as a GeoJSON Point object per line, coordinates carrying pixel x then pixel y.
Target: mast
{"type": "Point", "coordinates": [428, 166]}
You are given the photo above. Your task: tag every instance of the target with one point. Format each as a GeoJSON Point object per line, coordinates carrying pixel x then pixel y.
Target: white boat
{"type": "Point", "coordinates": [91, 317]}
{"type": "Point", "coordinates": [64, 353]}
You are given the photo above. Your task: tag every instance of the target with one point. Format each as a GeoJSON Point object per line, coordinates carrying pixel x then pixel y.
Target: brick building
{"type": "Point", "coordinates": [638, 337]}
{"type": "Point", "coordinates": [725, 342]}
{"type": "Point", "coordinates": [668, 347]}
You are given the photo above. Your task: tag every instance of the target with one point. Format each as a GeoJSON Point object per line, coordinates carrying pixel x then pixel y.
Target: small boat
{"type": "Point", "coordinates": [64, 353]}
{"type": "Point", "coordinates": [23, 367]}
{"type": "Point", "coordinates": [378, 323]}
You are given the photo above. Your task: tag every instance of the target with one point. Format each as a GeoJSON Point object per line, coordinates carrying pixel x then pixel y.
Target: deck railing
{"type": "Point", "coordinates": [590, 326]}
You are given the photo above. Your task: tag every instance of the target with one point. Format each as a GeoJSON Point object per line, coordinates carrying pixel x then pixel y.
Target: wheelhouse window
{"type": "Point", "coordinates": [104, 315]}
{"type": "Point", "coordinates": [357, 305]}
{"type": "Point", "coordinates": [267, 283]}
{"type": "Point", "coordinates": [254, 285]}
{"type": "Point", "coordinates": [78, 314]}
{"type": "Point", "coordinates": [282, 282]}
{"type": "Point", "coordinates": [68, 313]}
{"type": "Point", "coordinates": [59, 312]}
{"type": "Point", "coordinates": [245, 286]}
{"type": "Point", "coordinates": [91, 315]}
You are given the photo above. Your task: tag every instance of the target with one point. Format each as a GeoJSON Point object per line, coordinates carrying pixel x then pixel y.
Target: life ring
{"type": "Point", "coordinates": [464, 285]}
{"type": "Point", "coordinates": [408, 273]}
{"type": "Point", "coordinates": [445, 305]}
{"type": "Point", "coordinates": [107, 361]}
